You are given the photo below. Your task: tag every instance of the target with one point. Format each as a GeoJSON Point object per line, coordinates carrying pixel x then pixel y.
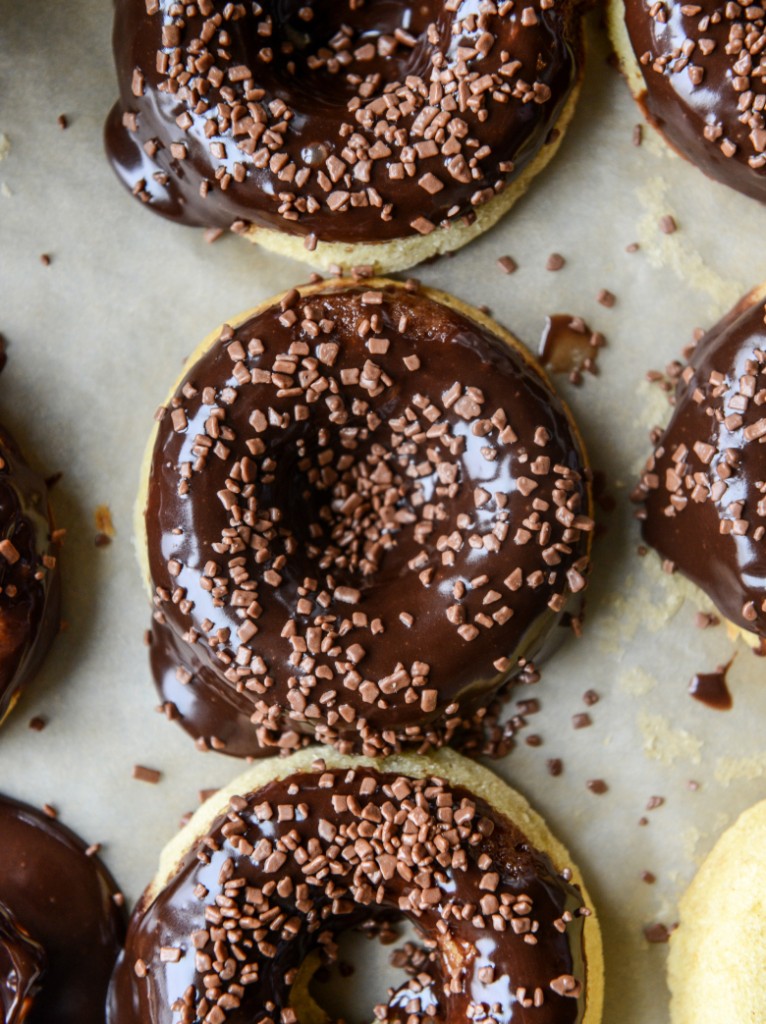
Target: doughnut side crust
{"type": "Point", "coordinates": [237, 741]}
{"type": "Point", "coordinates": [718, 952]}
{"type": "Point", "coordinates": [445, 764]}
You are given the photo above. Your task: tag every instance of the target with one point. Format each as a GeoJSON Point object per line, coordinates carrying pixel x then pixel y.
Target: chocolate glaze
{"type": "Point", "coordinates": [710, 688]}
{"type": "Point", "coordinates": [436, 555]}
{"type": "Point", "coordinates": [29, 585]}
{"type": "Point", "coordinates": [367, 198]}
{"type": "Point", "coordinates": [63, 929]}
{"type": "Point", "coordinates": [696, 102]}
{"type": "Point", "coordinates": [144, 988]}
{"type": "Point", "coordinates": [22, 963]}
{"type": "Point", "coordinates": [566, 345]}
{"type": "Point", "coordinates": [705, 512]}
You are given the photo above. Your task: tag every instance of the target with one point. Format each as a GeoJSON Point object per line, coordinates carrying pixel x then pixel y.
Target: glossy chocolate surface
{"type": "Point", "coordinates": [29, 578]}
{"type": "Point", "coordinates": [22, 963]}
{"type": "Point", "coordinates": [280, 905]}
{"type": "Point", "coordinates": [416, 116]}
{"type": "Point", "coordinates": [704, 90]}
{"type": "Point", "coordinates": [62, 900]}
{"type": "Point", "coordinates": [358, 530]}
{"type": "Point", "coordinates": [704, 485]}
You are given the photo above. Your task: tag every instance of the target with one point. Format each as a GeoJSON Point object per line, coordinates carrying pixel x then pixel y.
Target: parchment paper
{"type": "Point", "coordinates": [96, 337]}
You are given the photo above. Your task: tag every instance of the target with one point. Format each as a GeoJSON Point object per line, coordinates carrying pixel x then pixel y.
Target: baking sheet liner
{"type": "Point", "coordinates": [96, 337]}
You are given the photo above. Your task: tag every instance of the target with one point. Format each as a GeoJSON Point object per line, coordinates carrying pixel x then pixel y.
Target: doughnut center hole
{"type": "Point", "coordinates": [371, 966]}
{"type": "Point", "coordinates": [351, 504]}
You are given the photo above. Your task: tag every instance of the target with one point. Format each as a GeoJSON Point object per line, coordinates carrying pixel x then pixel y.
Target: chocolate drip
{"type": "Point", "coordinates": [22, 963]}
{"type": "Point", "coordinates": [697, 60]}
{"type": "Point", "coordinates": [63, 899]}
{"type": "Point", "coordinates": [29, 579]}
{"type": "Point", "coordinates": [704, 486]}
{"type": "Point", "coordinates": [268, 864]}
{"type": "Point", "coordinates": [359, 524]}
{"type": "Point", "coordinates": [288, 120]}
{"type": "Point", "coordinates": [711, 688]}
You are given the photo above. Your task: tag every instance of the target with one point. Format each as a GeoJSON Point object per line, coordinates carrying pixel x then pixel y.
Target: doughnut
{"type": "Point", "coordinates": [703, 487]}
{"type": "Point", "coordinates": [717, 952]}
{"type": "Point", "coordinates": [29, 577]}
{"type": "Point", "coordinates": [342, 132]}
{"type": "Point", "coordinates": [60, 926]}
{"type": "Point", "coordinates": [363, 509]}
{"type": "Point", "coordinates": [22, 963]}
{"type": "Point", "coordinates": [271, 870]}
{"type": "Point", "coordinates": [695, 71]}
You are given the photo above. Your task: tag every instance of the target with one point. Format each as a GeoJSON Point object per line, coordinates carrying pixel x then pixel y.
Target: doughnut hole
{"type": "Point", "coordinates": [370, 969]}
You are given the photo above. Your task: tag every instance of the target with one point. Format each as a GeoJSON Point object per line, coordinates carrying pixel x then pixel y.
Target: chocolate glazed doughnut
{"type": "Point", "coordinates": [29, 577]}
{"type": "Point", "coordinates": [695, 70]}
{"type": "Point", "coordinates": [703, 488]}
{"type": "Point", "coordinates": [364, 510]}
{"type": "Point", "coordinates": [60, 927]}
{"type": "Point", "coordinates": [341, 132]}
{"type": "Point", "coordinates": [274, 868]}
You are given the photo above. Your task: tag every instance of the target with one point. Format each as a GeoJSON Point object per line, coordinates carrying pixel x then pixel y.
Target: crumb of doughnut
{"type": "Point", "coordinates": [446, 764]}
{"type": "Point", "coordinates": [665, 744]}
{"type": "Point", "coordinates": [398, 254]}
{"type": "Point", "coordinates": [717, 952]}
{"type": "Point", "coordinates": [103, 518]}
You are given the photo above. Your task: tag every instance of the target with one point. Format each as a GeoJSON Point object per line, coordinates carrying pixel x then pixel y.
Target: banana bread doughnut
{"type": "Point", "coordinates": [695, 71]}
{"type": "Point", "coordinates": [703, 488]}
{"type": "Point", "coordinates": [296, 851]}
{"type": "Point", "coordinates": [345, 133]}
{"type": "Point", "coordinates": [60, 926]}
{"type": "Point", "coordinates": [363, 510]}
{"type": "Point", "coordinates": [29, 576]}
{"type": "Point", "coordinates": [717, 951]}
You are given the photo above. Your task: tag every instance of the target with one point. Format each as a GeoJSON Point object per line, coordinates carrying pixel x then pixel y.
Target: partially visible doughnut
{"type": "Point", "coordinates": [695, 70]}
{"type": "Point", "coordinates": [29, 576]}
{"type": "Point", "coordinates": [342, 133]}
{"type": "Point", "coordinates": [22, 964]}
{"type": "Point", "coordinates": [363, 510]}
{"type": "Point", "coordinates": [60, 926]}
{"type": "Point", "coordinates": [718, 951]}
{"type": "Point", "coordinates": [296, 851]}
{"type": "Point", "coordinates": [704, 488]}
